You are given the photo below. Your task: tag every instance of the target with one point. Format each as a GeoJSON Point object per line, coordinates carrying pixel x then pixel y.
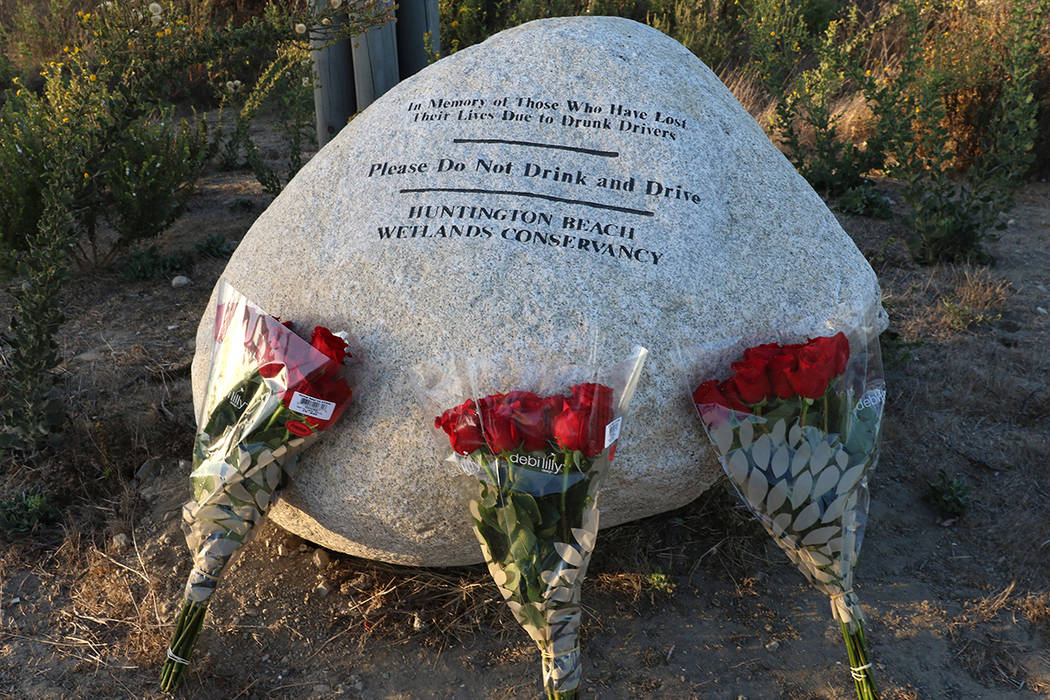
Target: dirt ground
{"type": "Point", "coordinates": [694, 603]}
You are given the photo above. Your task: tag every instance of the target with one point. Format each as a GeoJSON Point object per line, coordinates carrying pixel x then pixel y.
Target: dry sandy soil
{"type": "Point", "coordinates": [694, 603]}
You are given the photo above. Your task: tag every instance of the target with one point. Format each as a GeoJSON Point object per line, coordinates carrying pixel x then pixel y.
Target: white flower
{"type": "Point", "coordinates": [326, 21]}
{"type": "Point", "coordinates": [306, 82]}
{"type": "Point", "coordinates": [300, 28]}
{"type": "Point", "coordinates": [229, 86]}
{"type": "Point", "coordinates": [336, 4]}
{"type": "Point", "coordinates": [155, 9]}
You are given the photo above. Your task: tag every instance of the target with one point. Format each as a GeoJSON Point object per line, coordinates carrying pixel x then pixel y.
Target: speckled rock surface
{"type": "Point", "coordinates": [566, 174]}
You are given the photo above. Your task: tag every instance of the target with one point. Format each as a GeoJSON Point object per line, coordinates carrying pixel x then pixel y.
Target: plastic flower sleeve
{"type": "Point", "coordinates": [269, 395]}
{"type": "Point", "coordinates": [539, 450]}
{"type": "Point", "coordinates": [796, 428]}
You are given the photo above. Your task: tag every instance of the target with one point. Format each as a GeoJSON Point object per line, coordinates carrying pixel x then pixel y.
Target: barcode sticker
{"type": "Point", "coordinates": [612, 431]}
{"type": "Point", "coordinates": [315, 408]}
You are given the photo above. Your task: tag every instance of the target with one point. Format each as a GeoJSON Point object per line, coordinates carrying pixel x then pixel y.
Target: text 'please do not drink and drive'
{"type": "Point", "coordinates": [544, 186]}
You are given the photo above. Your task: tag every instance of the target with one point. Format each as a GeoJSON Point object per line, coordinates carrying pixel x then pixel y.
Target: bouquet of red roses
{"type": "Point", "coordinates": [269, 395]}
{"type": "Point", "coordinates": [796, 428]}
{"type": "Point", "coordinates": [539, 461]}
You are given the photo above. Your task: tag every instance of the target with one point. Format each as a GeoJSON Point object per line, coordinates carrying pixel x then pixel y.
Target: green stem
{"type": "Point", "coordinates": [825, 399]}
{"type": "Point", "coordinates": [857, 650]}
{"type": "Point", "coordinates": [488, 470]}
{"type": "Point", "coordinates": [802, 417]}
{"type": "Point", "coordinates": [187, 629]}
{"type": "Point", "coordinates": [564, 489]}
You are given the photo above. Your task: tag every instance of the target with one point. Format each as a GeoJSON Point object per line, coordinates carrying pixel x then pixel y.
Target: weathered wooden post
{"type": "Point", "coordinates": [374, 56]}
{"type": "Point", "coordinates": [417, 35]}
{"type": "Point", "coordinates": [351, 74]}
{"type": "Point", "coordinates": [334, 98]}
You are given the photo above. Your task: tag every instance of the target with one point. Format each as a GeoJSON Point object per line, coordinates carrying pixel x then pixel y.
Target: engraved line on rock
{"type": "Point", "coordinates": [563, 200]}
{"type": "Point", "coordinates": [574, 149]}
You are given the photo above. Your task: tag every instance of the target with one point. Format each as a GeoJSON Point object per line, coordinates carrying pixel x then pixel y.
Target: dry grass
{"type": "Point", "coordinates": [938, 303]}
{"type": "Point", "coordinates": [975, 300]}
{"type": "Point", "coordinates": [749, 92]}
{"type": "Point", "coordinates": [986, 642]}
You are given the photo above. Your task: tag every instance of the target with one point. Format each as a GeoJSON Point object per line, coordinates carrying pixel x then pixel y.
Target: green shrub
{"type": "Point", "coordinates": [953, 216]}
{"type": "Point", "coordinates": [35, 32]}
{"type": "Point", "coordinates": [215, 246]}
{"type": "Point", "coordinates": [133, 170]}
{"type": "Point", "coordinates": [952, 498]}
{"type": "Point", "coordinates": [31, 411]}
{"type": "Point", "coordinates": [23, 162]}
{"type": "Point", "coordinates": [637, 10]}
{"type": "Point", "coordinates": [523, 11]}
{"type": "Point", "coordinates": [26, 512]}
{"type": "Point", "coordinates": [148, 263]}
{"type": "Point", "coordinates": [808, 126]}
{"type": "Point", "coordinates": [287, 79]}
{"type": "Point", "coordinates": [149, 174]}
{"type": "Point", "coordinates": [465, 23]}
{"type": "Point", "coordinates": [95, 160]}
{"type": "Point", "coordinates": [709, 29]}
{"type": "Point", "coordinates": [777, 39]}
{"type": "Point", "coordinates": [862, 200]}
{"type": "Point", "coordinates": [956, 192]}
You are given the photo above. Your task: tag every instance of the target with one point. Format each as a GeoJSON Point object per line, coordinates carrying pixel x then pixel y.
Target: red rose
{"type": "Point", "coordinates": [762, 353]}
{"type": "Point", "coordinates": [816, 364]}
{"type": "Point", "coordinates": [751, 380]}
{"type": "Point", "coordinates": [707, 394]}
{"type": "Point", "coordinates": [706, 397]}
{"type": "Point", "coordinates": [777, 370]}
{"type": "Point", "coordinates": [330, 344]}
{"type": "Point", "coordinates": [595, 401]}
{"type": "Point", "coordinates": [569, 428]}
{"type": "Point", "coordinates": [529, 413]}
{"type": "Point", "coordinates": [822, 351]}
{"type": "Point", "coordinates": [729, 390]}
{"type": "Point", "coordinates": [841, 352]}
{"type": "Point", "coordinates": [587, 395]}
{"type": "Point", "coordinates": [497, 423]}
{"type": "Point", "coordinates": [462, 426]}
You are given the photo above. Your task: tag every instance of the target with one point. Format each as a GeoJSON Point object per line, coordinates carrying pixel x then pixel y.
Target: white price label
{"type": "Point", "coordinates": [315, 408]}
{"type": "Point", "coordinates": [612, 431]}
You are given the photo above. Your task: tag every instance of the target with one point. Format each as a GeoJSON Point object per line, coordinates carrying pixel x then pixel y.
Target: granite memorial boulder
{"type": "Point", "coordinates": [566, 174]}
